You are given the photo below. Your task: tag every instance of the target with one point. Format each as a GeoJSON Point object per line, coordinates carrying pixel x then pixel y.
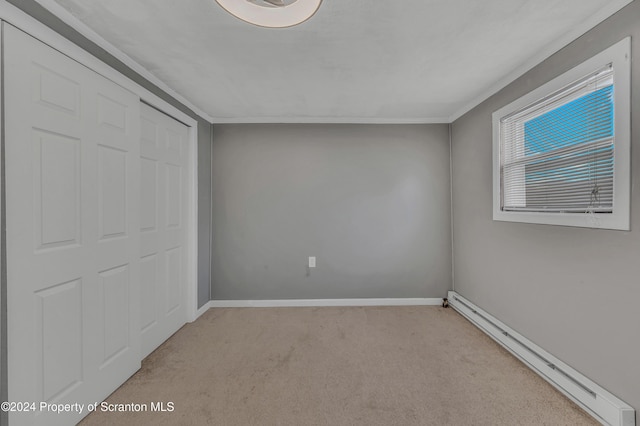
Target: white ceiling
{"type": "Point", "coordinates": [354, 61]}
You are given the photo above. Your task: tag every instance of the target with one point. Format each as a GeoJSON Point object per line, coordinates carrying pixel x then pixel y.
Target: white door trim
{"type": "Point", "coordinates": [192, 226]}
{"type": "Point", "coordinates": [33, 27]}
{"type": "Point", "coordinates": [2, 233]}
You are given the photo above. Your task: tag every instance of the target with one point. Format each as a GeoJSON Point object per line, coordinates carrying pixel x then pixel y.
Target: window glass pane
{"type": "Point", "coordinates": [585, 119]}
{"type": "Point", "coordinates": [558, 153]}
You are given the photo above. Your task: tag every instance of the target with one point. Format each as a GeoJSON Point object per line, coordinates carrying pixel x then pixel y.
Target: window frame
{"type": "Point", "coordinates": [620, 57]}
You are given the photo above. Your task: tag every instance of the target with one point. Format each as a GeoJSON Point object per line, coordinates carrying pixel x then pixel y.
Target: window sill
{"type": "Point", "coordinates": [613, 221]}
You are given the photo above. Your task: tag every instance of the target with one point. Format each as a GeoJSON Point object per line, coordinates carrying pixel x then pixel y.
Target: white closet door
{"type": "Point", "coordinates": [163, 159]}
{"type": "Point", "coordinates": [72, 188]}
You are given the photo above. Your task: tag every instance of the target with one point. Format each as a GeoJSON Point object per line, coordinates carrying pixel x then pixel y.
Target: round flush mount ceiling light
{"type": "Point", "coordinates": [271, 13]}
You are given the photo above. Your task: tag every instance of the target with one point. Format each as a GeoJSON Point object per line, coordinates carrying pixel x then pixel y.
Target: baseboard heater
{"type": "Point", "coordinates": [602, 405]}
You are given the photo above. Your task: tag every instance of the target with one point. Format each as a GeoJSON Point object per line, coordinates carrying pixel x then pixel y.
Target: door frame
{"type": "Point", "coordinates": [36, 29]}
{"type": "Point", "coordinates": [4, 388]}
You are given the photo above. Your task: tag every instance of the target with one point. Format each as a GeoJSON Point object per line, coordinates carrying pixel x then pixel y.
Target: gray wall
{"type": "Point", "coordinates": [372, 202]}
{"type": "Point", "coordinates": [573, 291]}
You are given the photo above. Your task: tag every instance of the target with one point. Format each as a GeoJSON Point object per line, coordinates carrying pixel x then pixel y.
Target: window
{"type": "Point", "coordinates": [561, 152]}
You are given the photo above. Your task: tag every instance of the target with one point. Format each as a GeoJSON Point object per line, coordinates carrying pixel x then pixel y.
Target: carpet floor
{"type": "Point", "coordinates": [414, 365]}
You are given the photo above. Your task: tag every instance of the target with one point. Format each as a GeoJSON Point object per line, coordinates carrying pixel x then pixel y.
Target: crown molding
{"type": "Point", "coordinates": [65, 16]}
{"type": "Point", "coordinates": [612, 7]}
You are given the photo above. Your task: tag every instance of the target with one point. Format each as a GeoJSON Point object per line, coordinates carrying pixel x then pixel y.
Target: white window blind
{"type": "Point", "coordinates": [557, 154]}
{"type": "Point", "coordinates": [561, 153]}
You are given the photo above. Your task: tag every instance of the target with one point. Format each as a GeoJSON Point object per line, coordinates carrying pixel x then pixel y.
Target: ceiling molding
{"type": "Point", "coordinates": [329, 120]}
{"type": "Point", "coordinates": [66, 17]}
{"type": "Point", "coordinates": [12, 15]}
{"type": "Point", "coordinates": [612, 7]}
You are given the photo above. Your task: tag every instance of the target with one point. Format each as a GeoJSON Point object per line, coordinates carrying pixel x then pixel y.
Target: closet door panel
{"type": "Point", "coordinates": [72, 189]}
{"type": "Point", "coordinates": [163, 234]}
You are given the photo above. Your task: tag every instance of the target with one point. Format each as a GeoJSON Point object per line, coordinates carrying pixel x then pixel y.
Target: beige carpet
{"type": "Point", "coordinates": [338, 366]}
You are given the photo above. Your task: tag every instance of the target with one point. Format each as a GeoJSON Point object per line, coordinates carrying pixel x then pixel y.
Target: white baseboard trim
{"type": "Point", "coordinates": [598, 402]}
{"type": "Point", "coordinates": [201, 310]}
{"type": "Point", "coordinates": [323, 302]}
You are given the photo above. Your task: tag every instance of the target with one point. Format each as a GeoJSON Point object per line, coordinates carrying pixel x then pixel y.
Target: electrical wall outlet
{"type": "Point", "coordinates": [312, 261]}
